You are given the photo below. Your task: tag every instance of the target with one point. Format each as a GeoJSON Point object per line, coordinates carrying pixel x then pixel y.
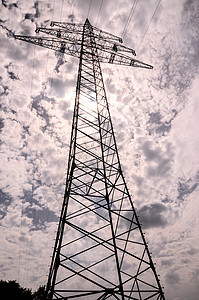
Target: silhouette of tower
{"type": "Point", "coordinates": [100, 250]}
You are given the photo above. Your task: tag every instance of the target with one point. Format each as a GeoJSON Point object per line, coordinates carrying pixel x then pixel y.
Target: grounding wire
{"type": "Point", "coordinates": [61, 10]}
{"type": "Point", "coordinates": [129, 18]}
{"type": "Point", "coordinates": [99, 12]}
{"type": "Point", "coordinates": [28, 251]}
{"type": "Point", "coordinates": [89, 8]}
{"type": "Point", "coordinates": [149, 24]}
{"type": "Point", "coordinates": [20, 265]}
{"type": "Point", "coordinates": [51, 84]}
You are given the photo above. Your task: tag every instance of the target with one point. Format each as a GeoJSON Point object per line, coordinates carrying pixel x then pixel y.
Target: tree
{"type": "Point", "coordinates": [40, 294]}
{"type": "Point", "coordinates": [11, 290]}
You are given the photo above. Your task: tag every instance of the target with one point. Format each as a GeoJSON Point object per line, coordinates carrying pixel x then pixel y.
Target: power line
{"type": "Point", "coordinates": [89, 8]}
{"type": "Point", "coordinates": [61, 10]}
{"type": "Point", "coordinates": [28, 251]}
{"type": "Point", "coordinates": [53, 10]}
{"type": "Point", "coordinates": [129, 18]}
{"type": "Point", "coordinates": [99, 11]}
{"type": "Point", "coordinates": [149, 24]}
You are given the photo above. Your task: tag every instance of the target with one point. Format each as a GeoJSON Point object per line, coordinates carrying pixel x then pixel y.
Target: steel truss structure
{"type": "Point", "coordinates": [100, 250]}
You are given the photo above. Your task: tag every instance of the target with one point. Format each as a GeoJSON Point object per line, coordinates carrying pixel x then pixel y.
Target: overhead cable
{"type": "Point", "coordinates": [99, 12]}
{"type": "Point", "coordinates": [129, 18]}
{"type": "Point", "coordinates": [149, 24]}
{"type": "Point", "coordinates": [89, 8]}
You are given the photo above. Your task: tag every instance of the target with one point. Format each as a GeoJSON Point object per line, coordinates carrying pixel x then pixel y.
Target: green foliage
{"type": "Point", "coordinates": [11, 290]}
{"type": "Point", "coordinates": [40, 294]}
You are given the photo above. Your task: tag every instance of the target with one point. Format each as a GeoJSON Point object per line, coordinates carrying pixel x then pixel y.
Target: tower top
{"type": "Point", "coordinates": [67, 38]}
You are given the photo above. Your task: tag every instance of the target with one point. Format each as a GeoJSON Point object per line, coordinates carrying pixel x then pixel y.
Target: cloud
{"type": "Point", "coordinates": [11, 74]}
{"type": "Point", "coordinates": [185, 138]}
{"type": "Point", "coordinates": [159, 124]}
{"type": "Point", "coordinates": [172, 277]}
{"type": "Point", "coordinates": [159, 160]}
{"type": "Point", "coordinates": [155, 121]}
{"type": "Point", "coordinates": [167, 262]}
{"type": "Point", "coordinates": [153, 215]}
{"type": "Point", "coordinates": [35, 15]}
{"type": "Point", "coordinates": [190, 19]}
{"type": "Point", "coordinates": [60, 86]}
{"type": "Point", "coordinates": [5, 201]}
{"type": "Point", "coordinates": [186, 188]}
{"type": "Point", "coordinates": [9, 6]}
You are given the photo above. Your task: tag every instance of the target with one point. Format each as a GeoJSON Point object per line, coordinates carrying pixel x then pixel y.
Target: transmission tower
{"type": "Point", "coordinates": [100, 250]}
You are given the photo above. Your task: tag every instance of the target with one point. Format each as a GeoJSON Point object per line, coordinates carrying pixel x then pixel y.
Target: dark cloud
{"type": "Point", "coordinates": [33, 16]}
{"type": "Point", "coordinates": [185, 188]}
{"type": "Point", "coordinates": [5, 201]}
{"type": "Point", "coordinates": [166, 199]}
{"type": "Point", "coordinates": [156, 123]}
{"type": "Point", "coordinates": [159, 160]}
{"type": "Point", "coordinates": [4, 90]}
{"type": "Point", "coordinates": [1, 124]}
{"type": "Point", "coordinates": [152, 215]}
{"type": "Point", "coordinates": [64, 106]}
{"type": "Point", "coordinates": [11, 74]}
{"type": "Point", "coordinates": [40, 217]}
{"type": "Point", "coordinates": [29, 17]}
{"type": "Point", "coordinates": [149, 153]}
{"type": "Point", "coordinates": [185, 261]}
{"type": "Point", "coordinates": [59, 86]}
{"type": "Point", "coordinates": [68, 115]}
{"type": "Point", "coordinates": [172, 277]}
{"type": "Point", "coordinates": [189, 27]}
{"type": "Point", "coordinates": [41, 110]}
{"type": "Point", "coordinates": [192, 251]}
{"type": "Point", "coordinates": [167, 262]}
{"type": "Point", "coordinates": [138, 180]}
{"type": "Point", "coordinates": [161, 170]}
{"type": "Point", "coordinates": [10, 6]}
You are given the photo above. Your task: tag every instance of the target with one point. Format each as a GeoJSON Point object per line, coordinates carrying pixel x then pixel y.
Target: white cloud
{"type": "Point", "coordinates": [185, 136]}
{"type": "Point", "coordinates": [155, 117]}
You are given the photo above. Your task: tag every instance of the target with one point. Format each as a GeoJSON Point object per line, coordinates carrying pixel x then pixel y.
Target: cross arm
{"type": "Point", "coordinates": [75, 35]}
{"type": "Point", "coordinates": [120, 59]}
{"type": "Point", "coordinates": [73, 48]}
{"type": "Point", "coordinates": [67, 38]}
{"type": "Point", "coordinates": [98, 33]}
{"type": "Point", "coordinates": [70, 48]}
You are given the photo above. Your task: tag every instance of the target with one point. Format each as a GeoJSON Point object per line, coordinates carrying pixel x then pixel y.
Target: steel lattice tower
{"type": "Point", "coordinates": [100, 250]}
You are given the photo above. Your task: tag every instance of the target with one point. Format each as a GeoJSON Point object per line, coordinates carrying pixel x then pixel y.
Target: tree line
{"type": "Point", "coordinates": [11, 290]}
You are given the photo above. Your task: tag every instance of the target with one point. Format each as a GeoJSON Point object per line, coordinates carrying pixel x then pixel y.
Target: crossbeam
{"type": "Point", "coordinates": [66, 38]}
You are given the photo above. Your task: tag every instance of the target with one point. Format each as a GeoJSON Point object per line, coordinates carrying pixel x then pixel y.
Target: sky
{"type": "Point", "coordinates": [155, 118]}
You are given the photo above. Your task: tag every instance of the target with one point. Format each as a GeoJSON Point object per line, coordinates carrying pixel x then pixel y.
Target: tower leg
{"type": "Point", "coordinates": [100, 251]}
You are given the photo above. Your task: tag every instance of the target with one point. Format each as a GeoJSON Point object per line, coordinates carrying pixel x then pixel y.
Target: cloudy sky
{"type": "Point", "coordinates": [155, 117]}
